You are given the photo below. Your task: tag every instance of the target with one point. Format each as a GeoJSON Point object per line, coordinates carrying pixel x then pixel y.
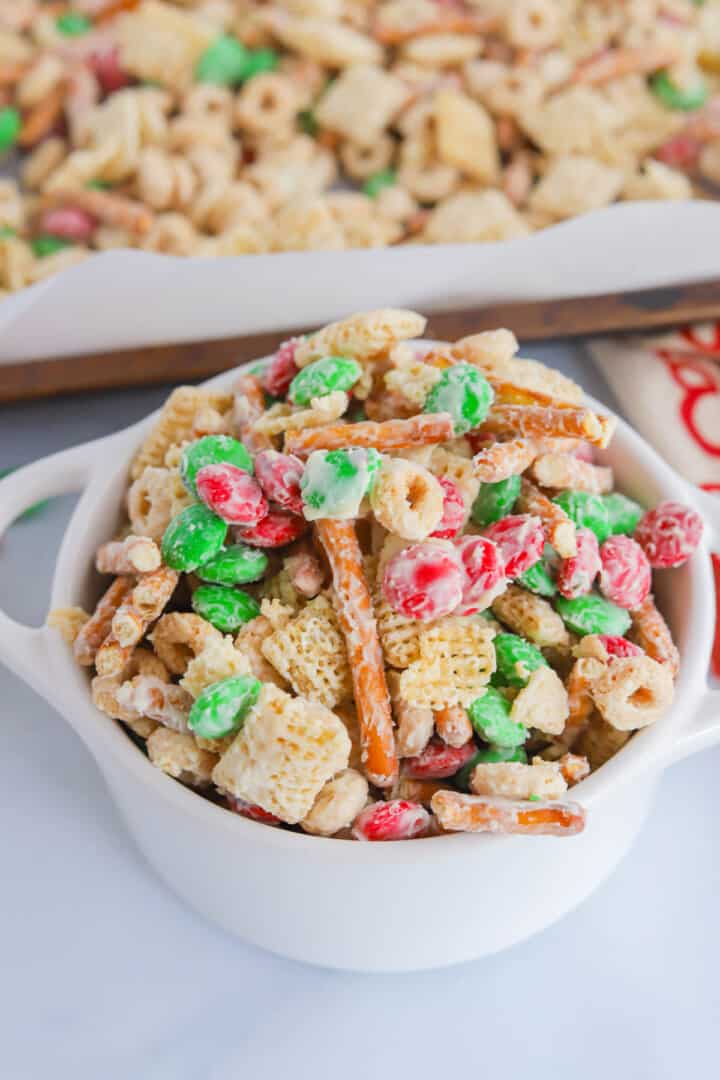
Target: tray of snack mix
{"type": "Point", "coordinates": [341, 155]}
{"type": "Point", "coordinates": [381, 589]}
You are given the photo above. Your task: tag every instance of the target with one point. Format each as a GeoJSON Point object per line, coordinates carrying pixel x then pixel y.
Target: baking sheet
{"type": "Point", "coordinates": [122, 299]}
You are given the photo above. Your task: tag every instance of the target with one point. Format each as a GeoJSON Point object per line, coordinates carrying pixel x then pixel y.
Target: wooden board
{"type": "Point", "coordinates": [611, 313]}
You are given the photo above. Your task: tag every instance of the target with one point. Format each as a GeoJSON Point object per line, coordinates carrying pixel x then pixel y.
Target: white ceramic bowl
{"type": "Point", "coordinates": [366, 907]}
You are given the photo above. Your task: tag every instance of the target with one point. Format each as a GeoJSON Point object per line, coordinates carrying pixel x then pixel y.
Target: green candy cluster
{"type": "Point", "coordinates": [227, 609]}
{"type": "Point", "coordinates": [538, 580]}
{"type": "Point", "coordinates": [586, 511]}
{"type": "Point", "coordinates": [593, 614]}
{"type": "Point", "coordinates": [73, 24]}
{"type": "Point", "coordinates": [192, 538]}
{"type": "Point", "coordinates": [495, 501]}
{"type": "Point", "coordinates": [685, 98]}
{"type": "Point", "coordinates": [48, 245]}
{"type": "Point", "coordinates": [323, 377]}
{"type": "Point", "coordinates": [227, 62]}
{"type": "Point", "coordinates": [378, 182]}
{"type": "Point", "coordinates": [211, 450]}
{"type": "Point", "coordinates": [234, 565]}
{"type": "Point", "coordinates": [623, 513]}
{"type": "Point", "coordinates": [10, 124]}
{"type": "Point", "coordinates": [490, 717]}
{"type": "Point", "coordinates": [334, 482]}
{"type": "Point", "coordinates": [516, 659]}
{"type": "Point", "coordinates": [221, 708]}
{"type": "Point", "coordinates": [464, 392]}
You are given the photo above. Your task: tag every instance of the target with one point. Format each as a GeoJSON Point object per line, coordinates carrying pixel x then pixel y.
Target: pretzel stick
{"type": "Point", "coordinates": [559, 529]}
{"type": "Point", "coordinates": [43, 117]}
{"type": "Point", "coordinates": [651, 633]}
{"type": "Point", "coordinates": [12, 73]}
{"type": "Point", "coordinates": [114, 7]}
{"type": "Point", "coordinates": [446, 23]}
{"type": "Point", "coordinates": [357, 620]}
{"type": "Point", "coordinates": [108, 207]}
{"type": "Point", "coordinates": [486, 813]}
{"type": "Point", "coordinates": [453, 725]}
{"type": "Point", "coordinates": [615, 63]}
{"type": "Point", "coordinates": [249, 407]}
{"type": "Point", "coordinates": [422, 430]}
{"type": "Point", "coordinates": [502, 460]}
{"type": "Point", "coordinates": [133, 555]}
{"type": "Point", "coordinates": [533, 421]}
{"type": "Point", "coordinates": [97, 628]}
{"type": "Point", "coordinates": [145, 604]}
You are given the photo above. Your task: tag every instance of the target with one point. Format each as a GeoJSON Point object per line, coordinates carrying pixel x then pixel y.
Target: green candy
{"type": "Point", "coordinates": [516, 659]}
{"type": "Point", "coordinates": [587, 511]}
{"type": "Point", "coordinates": [226, 609]}
{"type": "Point", "coordinates": [685, 98]}
{"type": "Point", "coordinates": [192, 538]}
{"type": "Point", "coordinates": [260, 60]}
{"type": "Point", "coordinates": [211, 450]}
{"type": "Point", "coordinates": [334, 482]}
{"type": "Point", "coordinates": [99, 185]}
{"type": "Point", "coordinates": [221, 708]}
{"type": "Point", "coordinates": [224, 63]}
{"type": "Point", "coordinates": [537, 580]}
{"type": "Point", "coordinates": [464, 392]}
{"type": "Point", "coordinates": [6, 232]}
{"type": "Point", "coordinates": [490, 716]}
{"type": "Point", "coordinates": [379, 181]}
{"type": "Point", "coordinates": [490, 755]}
{"type": "Point", "coordinates": [495, 501]}
{"type": "Point", "coordinates": [10, 124]}
{"type": "Point", "coordinates": [623, 513]}
{"type": "Point", "coordinates": [593, 614]}
{"type": "Point", "coordinates": [73, 24]}
{"type": "Point", "coordinates": [49, 245]}
{"type": "Point", "coordinates": [234, 565]}
{"type": "Point", "coordinates": [322, 377]}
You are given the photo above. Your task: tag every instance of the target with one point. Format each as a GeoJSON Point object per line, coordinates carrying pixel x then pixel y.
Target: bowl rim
{"type": "Point", "coordinates": [641, 753]}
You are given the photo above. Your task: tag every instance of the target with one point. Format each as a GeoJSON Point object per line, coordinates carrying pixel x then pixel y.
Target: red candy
{"type": "Point", "coordinates": [619, 647]}
{"type": "Point", "coordinates": [252, 811]}
{"type": "Point", "coordinates": [521, 540]}
{"type": "Point", "coordinates": [483, 567]}
{"type": "Point", "coordinates": [681, 151]}
{"type": "Point", "coordinates": [453, 510]}
{"type": "Point", "coordinates": [275, 530]}
{"type": "Point", "coordinates": [231, 493]}
{"type": "Point", "coordinates": [396, 820]}
{"type": "Point", "coordinates": [282, 369]}
{"type": "Point", "coordinates": [669, 534]}
{"type": "Point", "coordinates": [625, 577]}
{"type": "Point", "coordinates": [68, 223]}
{"type": "Point", "coordinates": [105, 64]}
{"type": "Point", "coordinates": [279, 477]}
{"type": "Point", "coordinates": [575, 576]}
{"type": "Point", "coordinates": [438, 760]}
{"type": "Point", "coordinates": [424, 581]}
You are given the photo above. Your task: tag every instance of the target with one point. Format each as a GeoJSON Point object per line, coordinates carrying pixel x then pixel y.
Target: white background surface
{"type": "Point", "coordinates": [103, 974]}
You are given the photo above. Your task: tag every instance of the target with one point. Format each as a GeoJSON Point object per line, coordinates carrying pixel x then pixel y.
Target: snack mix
{"type": "Point", "coordinates": [231, 127]}
{"type": "Point", "coordinates": [381, 590]}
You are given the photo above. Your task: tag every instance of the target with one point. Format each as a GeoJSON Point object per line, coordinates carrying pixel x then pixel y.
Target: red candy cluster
{"type": "Point", "coordinates": [231, 493]}
{"type": "Point", "coordinates": [619, 647]}
{"type": "Point", "coordinates": [282, 369]}
{"type": "Point", "coordinates": [484, 572]}
{"type": "Point", "coordinates": [425, 581]}
{"type": "Point", "coordinates": [279, 477]}
{"type": "Point", "coordinates": [275, 530]}
{"type": "Point", "coordinates": [625, 577]}
{"type": "Point", "coordinates": [669, 534]}
{"type": "Point", "coordinates": [576, 575]}
{"type": "Point", "coordinates": [438, 760]}
{"type": "Point", "coordinates": [398, 819]}
{"type": "Point", "coordinates": [453, 510]}
{"type": "Point", "coordinates": [521, 540]}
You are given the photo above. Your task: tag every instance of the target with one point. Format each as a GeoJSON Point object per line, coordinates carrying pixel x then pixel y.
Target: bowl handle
{"type": "Point", "coordinates": [705, 728]}
{"type": "Point", "coordinates": [22, 647]}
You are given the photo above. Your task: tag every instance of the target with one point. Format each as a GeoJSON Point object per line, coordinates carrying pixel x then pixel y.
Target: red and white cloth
{"type": "Point", "coordinates": [669, 388]}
